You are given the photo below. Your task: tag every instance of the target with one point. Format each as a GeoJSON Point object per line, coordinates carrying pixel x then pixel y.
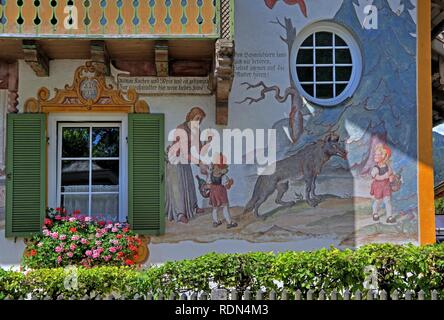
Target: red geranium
{"type": "Point", "coordinates": [73, 230]}
{"type": "Point", "coordinates": [48, 222]}
{"type": "Point", "coordinates": [129, 262]}
{"type": "Point", "coordinates": [33, 252]}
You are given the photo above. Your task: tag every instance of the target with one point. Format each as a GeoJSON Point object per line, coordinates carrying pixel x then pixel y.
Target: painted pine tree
{"type": "Point", "coordinates": [383, 109]}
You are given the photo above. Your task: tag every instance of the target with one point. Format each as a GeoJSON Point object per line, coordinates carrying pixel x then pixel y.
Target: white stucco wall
{"type": "Point", "coordinates": [334, 222]}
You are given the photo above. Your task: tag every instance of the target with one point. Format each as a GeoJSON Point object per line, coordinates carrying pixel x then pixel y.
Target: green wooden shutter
{"type": "Point", "coordinates": [25, 174]}
{"type": "Point", "coordinates": [146, 186]}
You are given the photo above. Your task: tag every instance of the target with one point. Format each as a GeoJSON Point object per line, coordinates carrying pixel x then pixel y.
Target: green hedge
{"type": "Point", "coordinates": [398, 268]}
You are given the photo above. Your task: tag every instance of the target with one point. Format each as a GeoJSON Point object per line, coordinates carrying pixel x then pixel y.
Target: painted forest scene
{"type": "Point", "coordinates": [346, 173]}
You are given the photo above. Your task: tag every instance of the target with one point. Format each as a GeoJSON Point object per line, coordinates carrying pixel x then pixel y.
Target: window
{"type": "Point", "coordinates": [328, 64]}
{"type": "Point", "coordinates": [90, 168]}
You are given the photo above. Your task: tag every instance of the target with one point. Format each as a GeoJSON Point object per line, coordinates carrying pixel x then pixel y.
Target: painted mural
{"type": "Point", "coordinates": [345, 174]}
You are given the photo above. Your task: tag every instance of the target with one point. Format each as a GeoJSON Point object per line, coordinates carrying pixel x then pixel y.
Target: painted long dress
{"type": "Point", "coordinates": [181, 198]}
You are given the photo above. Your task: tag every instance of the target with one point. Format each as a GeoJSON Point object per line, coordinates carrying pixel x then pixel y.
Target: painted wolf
{"type": "Point", "coordinates": [304, 165]}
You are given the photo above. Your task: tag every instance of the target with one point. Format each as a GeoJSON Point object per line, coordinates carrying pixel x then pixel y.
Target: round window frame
{"type": "Point", "coordinates": [355, 51]}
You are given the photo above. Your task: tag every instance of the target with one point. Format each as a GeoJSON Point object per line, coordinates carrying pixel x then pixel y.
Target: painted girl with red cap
{"type": "Point", "coordinates": [382, 175]}
{"type": "Point", "coordinates": [218, 183]}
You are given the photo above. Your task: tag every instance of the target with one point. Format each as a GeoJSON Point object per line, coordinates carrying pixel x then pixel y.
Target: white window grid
{"type": "Point", "coordinates": [90, 160]}
{"type": "Point", "coordinates": [315, 65]}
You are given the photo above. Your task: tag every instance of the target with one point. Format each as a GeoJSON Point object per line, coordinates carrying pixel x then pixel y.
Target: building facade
{"type": "Point", "coordinates": [320, 112]}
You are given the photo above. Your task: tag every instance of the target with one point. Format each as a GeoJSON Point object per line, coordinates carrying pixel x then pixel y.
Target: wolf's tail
{"type": "Point", "coordinates": [254, 199]}
{"type": "Point", "coordinates": [250, 205]}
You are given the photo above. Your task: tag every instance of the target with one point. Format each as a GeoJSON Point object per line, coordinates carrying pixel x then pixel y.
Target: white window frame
{"type": "Point", "coordinates": [355, 52]}
{"type": "Point", "coordinates": [53, 153]}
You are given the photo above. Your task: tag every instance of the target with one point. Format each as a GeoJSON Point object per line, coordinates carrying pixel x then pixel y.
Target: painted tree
{"type": "Point", "coordinates": [296, 121]}
{"type": "Point", "coordinates": [384, 106]}
{"type": "Point", "coordinates": [383, 109]}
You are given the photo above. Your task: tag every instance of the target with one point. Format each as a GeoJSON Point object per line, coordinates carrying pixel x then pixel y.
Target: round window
{"type": "Point", "coordinates": [328, 64]}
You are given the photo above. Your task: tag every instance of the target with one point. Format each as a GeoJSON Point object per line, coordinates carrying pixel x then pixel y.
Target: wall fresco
{"type": "Point", "coordinates": [346, 174]}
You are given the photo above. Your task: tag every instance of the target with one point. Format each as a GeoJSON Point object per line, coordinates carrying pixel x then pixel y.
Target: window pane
{"type": "Point", "coordinates": [105, 142]}
{"type": "Point", "coordinates": [324, 56]}
{"type": "Point", "coordinates": [343, 56]}
{"type": "Point", "coordinates": [305, 56]}
{"type": "Point", "coordinates": [324, 74]}
{"type": "Point", "coordinates": [73, 202]}
{"type": "Point", "coordinates": [308, 42]}
{"type": "Point", "coordinates": [105, 173]}
{"type": "Point", "coordinates": [343, 73]}
{"type": "Point", "coordinates": [324, 39]}
{"type": "Point", "coordinates": [309, 89]}
{"type": "Point", "coordinates": [340, 88]}
{"type": "Point", "coordinates": [106, 206]}
{"type": "Point", "coordinates": [75, 142]}
{"type": "Point", "coordinates": [305, 74]}
{"type": "Point", "coordinates": [75, 176]}
{"type": "Point", "coordinates": [324, 91]}
{"type": "Point", "coordinates": [339, 42]}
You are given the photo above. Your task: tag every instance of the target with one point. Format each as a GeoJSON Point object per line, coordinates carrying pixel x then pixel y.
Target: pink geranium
{"type": "Point", "coordinates": [80, 240]}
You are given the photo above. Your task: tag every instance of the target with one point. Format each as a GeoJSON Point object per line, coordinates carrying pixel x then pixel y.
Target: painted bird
{"type": "Point", "coordinates": [271, 3]}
